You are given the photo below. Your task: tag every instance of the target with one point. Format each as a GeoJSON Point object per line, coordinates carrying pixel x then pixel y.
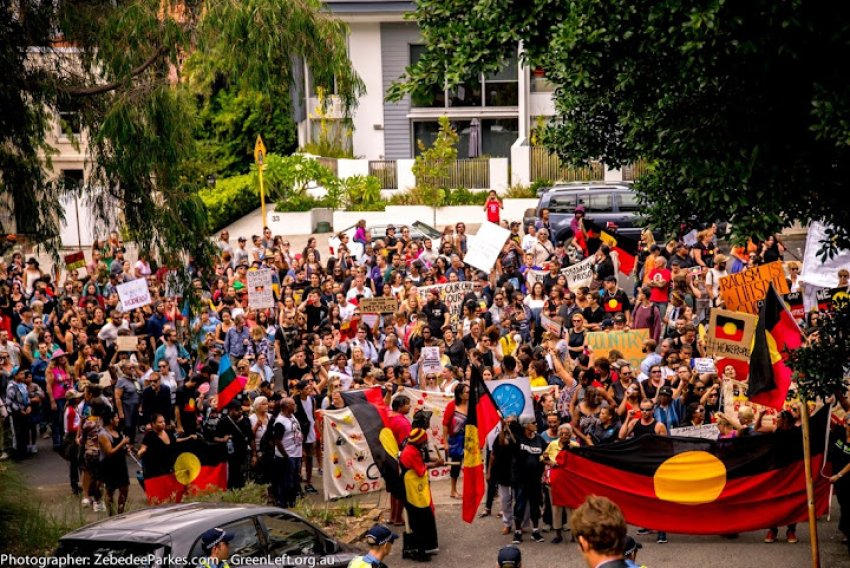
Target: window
{"type": "Point", "coordinates": [291, 536]}
{"type": "Point", "coordinates": [72, 180]}
{"type": "Point", "coordinates": [428, 96]}
{"type": "Point", "coordinates": [502, 88]}
{"type": "Point", "coordinates": [597, 202]}
{"type": "Point", "coordinates": [246, 541]}
{"type": "Point", "coordinates": [70, 123]}
{"type": "Point", "coordinates": [628, 202]}
{"type": "Point", "coordinates": [497, 135]}
{"type": "Point", "coordinates": [562, 204]}
{"type": "Point", "coordinates": [114, 553]}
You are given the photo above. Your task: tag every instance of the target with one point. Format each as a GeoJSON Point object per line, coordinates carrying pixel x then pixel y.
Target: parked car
{"type": "Point", "coordinates": [419, 231]}
{"type": "Point", "coordinates": [157, 536]}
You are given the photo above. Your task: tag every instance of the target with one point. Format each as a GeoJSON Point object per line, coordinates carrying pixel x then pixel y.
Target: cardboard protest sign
{"type": "Point", "coordinates": [381, 305]}
{"type": "Point", "coordinates": [431, 360]}
{"type": "Point", "coordinates": [629, 343]}
{"type": "Point", "coordinates": [553, 326]}
{"type": "Point", "coordinates": [730, 334]}
{"type": "Point", "coordinates": [260, 292]}
{"type": "Point", "coordinates": [127, 342]}
{"type": "Point", "coordinates": [743, 291]}
{"type": "Point", "coordinates": [134, 294]}
{"type": "Point", "coordinates": [794, 301]}
{"type": "Point", "coordinates": [486, 247]}
{"type": "Point", "coordinates": [75, 260]}
{"type": "Point", "coordinates": [580, 274]}
{"type": "Point", "coordinates": [451, 294]}
{"type": "Point", "coordinates": [533, 276]}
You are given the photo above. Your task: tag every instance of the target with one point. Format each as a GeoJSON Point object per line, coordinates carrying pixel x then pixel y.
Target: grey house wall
{"type": "Point", "coordinates": [396, 38]}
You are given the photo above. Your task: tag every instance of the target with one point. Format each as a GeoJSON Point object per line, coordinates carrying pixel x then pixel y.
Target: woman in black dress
{"type": "Point", "coordinates": [113, 461]}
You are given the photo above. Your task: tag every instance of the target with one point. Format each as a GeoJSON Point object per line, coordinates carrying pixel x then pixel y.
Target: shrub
{"type": "Point", "coordinates": [230, 199]}
{"type": "Point", "coordinates": [463, 196]}
{"type": "Point", "coordinates": [520, 191]}
{"type": "Point", "coordinates": [362, 193]}
{"type": "Point", "coordinates": [541, 183]}
{"type": "Point", "coordinates": [287, 176]}
{"type": "Point", "coordinates": [299, 202]}
{"type": "Point", "coordinates": [433, 165]}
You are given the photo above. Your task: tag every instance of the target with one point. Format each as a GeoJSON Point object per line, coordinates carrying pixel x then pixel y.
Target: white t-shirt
{"type": "Point", "coordinates": [292, 437]}
{"type": "Point", "coordinates": [260, 431]}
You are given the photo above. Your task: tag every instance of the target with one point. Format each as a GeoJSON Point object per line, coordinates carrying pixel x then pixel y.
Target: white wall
{"type": "Point", "coordinates": [365, 53]}
{"type": "Point", "coordinates": [499, 174]}
{"type": "Point", "coordinates": [347, 168]}
{"type": "Point", "coordinates": [541, 104]}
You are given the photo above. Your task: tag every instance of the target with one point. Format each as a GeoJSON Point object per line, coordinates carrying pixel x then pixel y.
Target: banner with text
{"type": "Point", "coordinates": [743, 291]}
{"type": "Point", "coordinates": [380, 305]}
{"type": "Point", "coordinates": [629, 343]}
{"type": "Point", "coordinates": [486, 247]}
{"type": "Point", "coordinates": [451, 294]}
{"type": "Point", "coordinates": [579, 275]}
{"type": "Point", "coordinates": [134, 294]}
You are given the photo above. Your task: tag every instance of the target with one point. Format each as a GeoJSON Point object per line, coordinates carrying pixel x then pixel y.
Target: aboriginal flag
{"type": "Point", "coordinates": [698, 486]}
{"type": "Point", "coordinates": [776, 334]}
{"type": "Point", "coordinates": [193, 466]}
{"type": "Point", "coordinates": [626, 249]}
{"type": "Point", "coordinates": [729, 328]}
{"type": "Point", "coordinates": [482, 417]}
{"type": "Point", "coordinates": [229, 385]}
{"type": "Point", "coordinates": [372, 415]}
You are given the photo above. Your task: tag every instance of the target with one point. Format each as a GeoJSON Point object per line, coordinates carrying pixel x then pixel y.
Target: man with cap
{"type": "Point", "coordinates": [380, 540]}
{"type": "Point", "coordinates": [630, 552]}
{"type": "Point", "coordinates": [510, 557]}
{"type": "Point", "coordinates": [216, 544]}
{"type": "Point", "coordinates": [421, 541]}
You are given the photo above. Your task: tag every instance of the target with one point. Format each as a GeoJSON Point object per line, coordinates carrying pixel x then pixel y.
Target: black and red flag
{"type": "Point", "coordinates": [777, 333]}
{"type": "Point", "coordinates": [729, 328]}
{"type": "Point", "coordinates": [482, 417]}
{"type": "Point", "coordinates": [698, 486]}
{"type": "Point", "coordinates": [193, 466]}
{"type": "Point", "coordinates": [372, 414]}
{"type": "Point", "coordinates": [625, 247]}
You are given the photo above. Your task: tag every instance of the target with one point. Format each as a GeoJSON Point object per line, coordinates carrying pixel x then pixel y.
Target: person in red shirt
{"type": "Point", "coordinates": [493, 207]}
{"type": "Point", "coordinates": [400, 427]}
{"type": "Point", "coordinates": [659, 284]}
{"type": "Point", "coordinates": [421, 541]}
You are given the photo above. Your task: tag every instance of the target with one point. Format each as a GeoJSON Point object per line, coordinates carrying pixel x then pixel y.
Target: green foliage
{"type": "Point", "coordinates": [252, 493]}
{"type": "Point", "coordinates": [463, 196]}
{"type": "Point", "coordinates": [230, 199]}
{"type": "Point", "coordinates": [820, 366]}
{"type": "Point", "coordinates": [289, 176]}
{"type": "Point", "coordinates": [732, 102]}
{"type": "Point", "coordinates": [362, 193]}
{"type": "Point", "coordinates": [520, 191]}
{"type": "Point", "coordinates": [539, 184]}
{"type": "Point", "coordinates": [402, 198]}
{"type": "Point", "coordinates": [432, 166]}
{"type": "Point", "coordinates": [299, 202]}
{"type": "Point", "coordinates": [334, 139]}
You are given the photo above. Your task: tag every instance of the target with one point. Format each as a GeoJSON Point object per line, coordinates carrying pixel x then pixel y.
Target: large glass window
{"type": "Point", "coordinates": [597, 202]}
{"type": "Point", "coordinates": [496, 136]}
{"type": "Point", "coordinates": [502, 88]}
{"type": "Point", "coordinates": [629, 202]}
{"type": "Point", "coordinates": [427, 96]}
{"type": "Point", "coordinates": [499, 89]}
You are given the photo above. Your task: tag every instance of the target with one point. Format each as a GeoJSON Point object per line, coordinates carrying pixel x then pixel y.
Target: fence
{"type": "Point", "coordinates": [547, 166]}
{"type": "Point", "coordinates": [471, 173]}
{"type": "Point", "coordinates": [631, 172]}
{"type": "Point", "coordinates": [386, 171]}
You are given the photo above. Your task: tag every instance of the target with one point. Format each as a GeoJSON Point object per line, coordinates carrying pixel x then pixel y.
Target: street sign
{"type": "Point", "coordinates": [259, 151]}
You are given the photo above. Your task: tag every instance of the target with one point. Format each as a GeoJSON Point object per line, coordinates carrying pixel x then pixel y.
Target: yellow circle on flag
{"type": "Point", "coordinates": [690, 478]}
{"type": "Point", "coordinates": [187, 467]}
{"type": "Point", "coordinates": [729, 328]}
{"type": "Point", "coordinates": [613, 303]}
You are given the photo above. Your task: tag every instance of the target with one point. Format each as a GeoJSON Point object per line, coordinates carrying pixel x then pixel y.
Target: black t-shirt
{"type": "Point", "coordinates": [187, 405]}
{"type": "Point", "coordinates": [605, 268]}
{"type": "Point", "coordinates": [616, 303]}
{"type": "Point", "coordinates": [500, 471]}
{"type": "Point", "coordinates": [593, 316]}
{"type": "Point", "coordinates": [240, 432]}
{"type": "Point", "coordinates": [549, 281]}
{"type": "Point", "coordinates": [436, 314]}
{"type": "Point", "coordinates": [527, 466]}
{"type": "Point", "coordinates": [456, 353]}
{"type": "Point", "coordinates": [315, 314]}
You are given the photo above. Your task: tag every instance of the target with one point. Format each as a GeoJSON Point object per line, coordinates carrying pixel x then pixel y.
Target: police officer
{"type": "Point", "coordinates": [380, 540]}
{"type": "Point", "coordinates": [216, 544]}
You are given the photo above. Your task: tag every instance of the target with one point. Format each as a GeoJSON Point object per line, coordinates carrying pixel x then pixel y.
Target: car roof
{"type": "Point", "coordinates": [578, 187]}
{"type": "Point", "coordinates": [182, 521]}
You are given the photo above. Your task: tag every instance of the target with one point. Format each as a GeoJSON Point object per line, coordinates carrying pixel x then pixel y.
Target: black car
{"type": "Point", "coordinates": [170, 536]}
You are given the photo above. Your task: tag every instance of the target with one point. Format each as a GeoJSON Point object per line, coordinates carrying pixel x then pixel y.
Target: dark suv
{"type": "Point", "coordinates": [603, 203]}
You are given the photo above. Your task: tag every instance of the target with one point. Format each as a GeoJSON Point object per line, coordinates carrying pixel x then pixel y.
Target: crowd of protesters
{"type": "Point", "coordinates": [65, 376]}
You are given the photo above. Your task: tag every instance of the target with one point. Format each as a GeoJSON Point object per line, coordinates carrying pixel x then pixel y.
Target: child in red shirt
{"type": "Point", "coordinates": [493, 206]}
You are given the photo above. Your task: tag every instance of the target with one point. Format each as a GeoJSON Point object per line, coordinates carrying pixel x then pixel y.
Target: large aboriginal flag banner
{"type": "Point", "coordinates": [697, 486]}
{"type": "Point", "coordinates": [482, 417]}
{"type": "Point", "coordinates": [198, 467]}
{"type": "Point", "coordinates": [372, 414]}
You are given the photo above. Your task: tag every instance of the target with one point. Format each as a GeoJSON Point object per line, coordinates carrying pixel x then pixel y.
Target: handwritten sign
{"type": "Point", "coordinates": [704, 365]}
{"type": "Point", "coordinates": [579, 275]}
{"type": "Point", "coordinates": [743, 291]}
{"type": "Point", "coordinates": [134, 294]}
{"type": "Point", "coordinates": [260, 291]}
{"type": "Point", "coordinates": [730, 334]}
{"type": "Point", "coordinates": [629, 343]}
{"type": "Point", "coordinates": [127, 342]}
{"type": "Point", "coordinates": [75, 260]}
{"type": "Point", "coordinates": [486, 247]}
{"type": "Point", "coordinates": [706, 431]}
{"type": "Point", "coordinates": [431, 360]}
{"type": "Point", "coordinates": [451, 295]}
{"type": "Point", "coordinates": [551, 325]}
{"type": "Point", "coordinates": [794, 301]}
{"type": "Point", "coordinates": [534, 276]}
{"type": "Point", "coordinates": [380, 305]}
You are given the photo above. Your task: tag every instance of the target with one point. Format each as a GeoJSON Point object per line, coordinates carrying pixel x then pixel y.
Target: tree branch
{"type": "Point", "coordinates": [100, 89]}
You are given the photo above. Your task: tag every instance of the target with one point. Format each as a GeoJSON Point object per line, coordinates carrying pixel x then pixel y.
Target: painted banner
{"type": "Point", "coordinates": [75, 260]}
{"type": "Point", "coordinates": [431, 360]}
{"type": "Point", "coordinates": [730, 334]}
{"type": "Point", "coordinates": [486, 247]}
{"type": "Point", "coordinates": [824, 299]}
{"type": "Point", "coordinates": [629, 343]}
{"type": "Point", "coordinates": [706, 431]}
{"type": "Point", "coordinates": [451, 294]}
{"type": "Point", "coordinates": [260, 292]}
{"type": "Point", "coordinates": [579, 275]}
{"type": "Point", "coordinates": [743, 291]}
{"type": "Point", "coordinates": [839, 298]}
{"type": "Point", "coordinates": [816, 270]}
{"type": "Point", "coordinates": [513, 396]}
{"type": "Point", "coordinates": [380, 305]}
{"type": "Point", "coordinates": [794, 301]}
{"type": "Point", "coordinates": [551, 325]}
{"type": "Point", "coordinates": [134, 294]}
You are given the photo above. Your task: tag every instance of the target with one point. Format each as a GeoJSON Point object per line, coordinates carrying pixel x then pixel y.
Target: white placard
{"type": "Point", "coordinates": [431, 360]}
{"type": "Point", "coordinates": [579, 275]}
{"type": "Point", "coordinates": [486, 247]}
{"type": "Point", "coordinates": [707, 431]}
{"type": "Point", "coordinates": [134, 294]}
{"type": "Point", "coordinates": [704, 365]}
{"type": "Point", "coordinates": [260, 292]}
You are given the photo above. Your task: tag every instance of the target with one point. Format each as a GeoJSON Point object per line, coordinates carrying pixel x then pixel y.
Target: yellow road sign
{"type": "Point", "coordinates": [259, 151]}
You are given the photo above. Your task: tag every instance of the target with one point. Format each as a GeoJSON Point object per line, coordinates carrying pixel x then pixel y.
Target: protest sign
{"type": "Point", "coordinates": [126, 342]}
{"type": "Point", "coordinates": [794, 301]}
{"type": "Point", "coordinates": [486, 247]}
{"type": "Point", "coordinates": [431, 360]}
{"type": "Point", "coordinates": [730, 334]}
{"type": "Point", "coordinates": [371, 320]}
{"type": "Point", "coordinates": [579, 275]}
{"type": "Point", "coordinates": [380, 305]}
{"type": "Point", "coordinates": [451, 294]}
{"type": "Point", "coordinates": [824, 299]}
{"type": "Point", "coordinates": [838, 297]}
{"type": "Point", "coordinates": [551, 325]}
{"type": "Point", "coordinates": [534, 276]}
{"type": "Point", "coordinates": [513, 396]}
{"type": "Point", "coordinates": [260, 292]}
{"type": "Point", "coordinates": [134, 294]}
{"type": "Point", "coordinates": [743, 291]}
{"type": "Point", "coordinates": [707, 431]}
{"type": "Point", "coordinates": [75, 260]}
{"type": "Point", "coordinates": [629, 343]}
{"type": "Point", "coordinates": [704, 365]}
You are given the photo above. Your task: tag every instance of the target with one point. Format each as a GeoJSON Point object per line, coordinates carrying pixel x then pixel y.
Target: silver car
{"type": "Point", "coordinates": [170, 536]}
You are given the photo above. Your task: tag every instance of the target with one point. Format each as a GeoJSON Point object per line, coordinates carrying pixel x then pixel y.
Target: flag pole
{"type": "Point", "coordinates": [810, 490]}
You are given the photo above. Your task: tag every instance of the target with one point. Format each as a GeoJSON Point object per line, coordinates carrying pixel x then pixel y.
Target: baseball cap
{"type": "Point", "coordinates": [214, 536]}
{"type": "Point", "coordinates": [631, 546]}
{"type": "Point", "coordinates": [666, 390]}
{"type": "Point", "coordinates": [380, 534]}
{"type": "Point", "coordinates": [510, 556]}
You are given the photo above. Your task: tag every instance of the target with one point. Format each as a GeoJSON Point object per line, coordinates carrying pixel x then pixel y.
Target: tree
{"type": "Point", "coordinates": [433, 165]}
{"type": "Point", "coordinates": [738, 107]}
{"type": "Point", "coordinates": [132, 74]}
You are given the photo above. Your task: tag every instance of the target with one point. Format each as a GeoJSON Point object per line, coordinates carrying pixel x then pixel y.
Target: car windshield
{"type": "Point", "coordinates": [427, 230]}
{"type": "Point", "coordinates": [114, 553]}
